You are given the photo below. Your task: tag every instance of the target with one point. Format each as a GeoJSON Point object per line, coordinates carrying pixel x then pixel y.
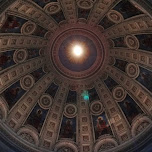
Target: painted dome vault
{"type": "Point", "coordinates": [75, 75]}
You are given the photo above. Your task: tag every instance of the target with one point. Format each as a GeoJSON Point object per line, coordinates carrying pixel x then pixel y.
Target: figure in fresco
{"type": "Point", "coordinates": [35, 119]}
{"type": "Point", "coordinates": [4, 59]}
{"type": "Point", "coordinates": [101, 127]}
{"type": "Point", "coordinates": [131, 110]}
{"type": "Point", "coordinates": [11, 94]}
{"type": "Point", "coordinates": [67, 131]}
{"type": "Point", "coordinates": [11, 23]}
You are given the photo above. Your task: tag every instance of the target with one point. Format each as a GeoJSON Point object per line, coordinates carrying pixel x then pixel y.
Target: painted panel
{"type": "Point", "coordinates": [121, 64]}
{"type": "Point", "coordinates": [119, 42]}
{"type": "Point", "coordinates": [37, 117]}
{"type": "Point", "coordinates": [83, 13]}
{"type": "Point", "coordinates": [106, 23]}
{"type": "Point", "coordinates": [58, 17]}
{"type": "Point", "coordinates": [130, 108]}
{"type": "Point", "coordinates": [52, 89]}
{"type": "Point", "coordinates": [68, 128]}
{"type": "Point", "coordinates": [72, 97]}
{"type": "Point", "coordinates": [13, 24]}
{"type": "Point", "coordinates": [93, 96]}
{"type": "Point", "coordinates": [127, 9]}
{"type": "Point", "coordinates": [13, 94]}
{"type": "Point", "coordinates": [145, 78]}
{"type": "Point", "coordinates": [145, 41]}
{"type": "Point", "coordinates": [110, 83]}
{"type": "Point", "coordinates": [32, 53]}
{"type": "Point", "coordinates": [38, 74]}
{"type": "Point", "coordinates": [101, 125]}
{"type": "Point", "coordinates": [6, 59]}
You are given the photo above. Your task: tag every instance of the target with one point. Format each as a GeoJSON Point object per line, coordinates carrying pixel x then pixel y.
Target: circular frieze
{"type": "Point", "coordinates": [115, 16]}
{"type": "Point", "coordinates": [70, 110]}
{"type": "Point", "coordinates": [28, 28]}
{"type": "Point", "coordinates": [119, 94]}
{"type": "Point", "coordinates": [132, 42]}
{"type": "Point", "coordinates": [45, 101]}
{"type": "Point", "coordinates": [20, 55]}
{"type": "Point", "coordinates": [85, 4]}
{"type": "Point", "coordinates": [132, 70]}
{"type": "Point", "coordinates": [96, 107]}
{"type": "Point", "coordinates": [52, 8]}
{"type": "Point", "coordinates": [27, 82]}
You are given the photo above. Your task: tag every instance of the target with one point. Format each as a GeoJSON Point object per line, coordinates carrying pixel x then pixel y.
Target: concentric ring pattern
{"type": "Point", "coordinates": [51, 100]}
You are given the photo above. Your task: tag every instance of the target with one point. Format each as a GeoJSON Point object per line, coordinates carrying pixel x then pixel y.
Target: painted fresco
{"type": "Point", "coordinates": [106, 23]}
{"type": "Point", "coordinates": [145, 41]}
{"type": "Point", "coordinates": [110, 83]}
{"type": "Point", "coordinates": [38, 74]}
{"type": "Point", "coordinates": [119, 42]}
{"type": "Point", "coordinates": [72, 97]}
{"type": "Point", "coordinates": [37, 117]}
{"type": "Point", "coordinates": [52, 89]}
{"type": "Point", "coordinates": [121, 64]}
{"type": "Point", "coordinates": [32, 53]}
{"type": "Point", "coordinates": [145, 78]}
{"type": "Point", "coordinates": [93, 96]}
{"type": "Point", "coordinates": [83, 13]}
{"type": "Point", "coordinates": [58, 17]}
{"type": "Point", "coordinates": [68, 128]}
{"type": "Point", "coordinates": [130, 108]}
{"type": "Point", "coordinates": [13, 24]}
{"type": "Point", "coordinates": [13, 94]}
{"type": "Point", "coordinates": [42, 3]}
{"type": "Point", "coordinates": [127, 9]}
{"type": "Point", "coordinates": [40, 31]}
{"type": "Point", "coordinates": [101, 126]}
{"type": "Point", "coordinates": [6, 59]}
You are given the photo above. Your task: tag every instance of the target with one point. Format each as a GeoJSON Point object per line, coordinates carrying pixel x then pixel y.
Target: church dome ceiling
{"type": "Point", "coordinates": [75, 75]}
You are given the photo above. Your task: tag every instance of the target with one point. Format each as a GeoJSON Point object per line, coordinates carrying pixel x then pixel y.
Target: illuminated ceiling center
{"type": "Point", "coordinates": [75, 75]}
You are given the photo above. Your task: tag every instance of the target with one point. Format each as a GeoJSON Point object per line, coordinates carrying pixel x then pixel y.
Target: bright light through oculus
{"type": "Point", "coordinates": [77, 50]}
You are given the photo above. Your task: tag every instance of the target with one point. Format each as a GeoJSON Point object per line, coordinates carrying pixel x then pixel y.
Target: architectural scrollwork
{"type": "Point", "coordinates": [29, 134]}
{"type": "Point", "coordinates": [140, 124]}
{"type": "Point", "coordinates": [105, 144]}
{"type": "Point", "coordinates": [52, 8]}
{"type": "Point", "coordinates": [28, 28]}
